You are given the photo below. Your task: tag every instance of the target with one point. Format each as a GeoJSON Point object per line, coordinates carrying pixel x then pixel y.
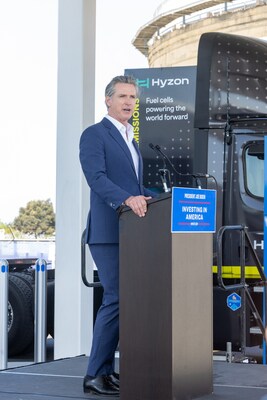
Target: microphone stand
{"type": "Point", "coordinates": [197, 176]}
{"type": "Point", "coordinates": [164, 172]}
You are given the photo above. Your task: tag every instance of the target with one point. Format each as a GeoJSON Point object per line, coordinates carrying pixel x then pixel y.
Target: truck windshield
{"type": "Point", "coordinates": [254, 169]}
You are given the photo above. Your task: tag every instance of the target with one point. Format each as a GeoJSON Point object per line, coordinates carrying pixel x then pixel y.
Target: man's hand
{"type": "Point", "coordinates": [138, 204]}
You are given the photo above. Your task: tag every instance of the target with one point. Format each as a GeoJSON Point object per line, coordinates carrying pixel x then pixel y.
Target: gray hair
{"type": "Point", "coordinates": [110, 89]}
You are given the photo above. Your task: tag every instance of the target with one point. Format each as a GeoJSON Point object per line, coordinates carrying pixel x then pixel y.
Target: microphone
{"type": "Point", "coordinates": [158, 148]}
{"type": "Point", "coordinates": [165, 157]}
{"type": "Point", "coordinates": [151, 145]}
{"type": "Point", "coordinates": [164, 171]}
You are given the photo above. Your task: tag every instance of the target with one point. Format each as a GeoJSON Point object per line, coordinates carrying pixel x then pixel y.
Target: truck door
{"type": "Point", "coordinates": [243, 200]}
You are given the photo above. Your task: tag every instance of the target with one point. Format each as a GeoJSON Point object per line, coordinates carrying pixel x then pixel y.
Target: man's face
{"type": "Point", "coordinates": [121, 104]}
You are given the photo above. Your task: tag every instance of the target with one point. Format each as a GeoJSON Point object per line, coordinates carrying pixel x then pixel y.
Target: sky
{"type": "Point", "coordinates": [28, 82]}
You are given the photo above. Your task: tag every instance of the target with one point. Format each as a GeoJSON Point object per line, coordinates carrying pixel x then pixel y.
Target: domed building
{"type": "Point", "coordinates": [171, 37]}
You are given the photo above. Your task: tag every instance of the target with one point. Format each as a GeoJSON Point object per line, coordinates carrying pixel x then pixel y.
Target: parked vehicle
{"type": "Point", "coordinates": [210, 121]}
{"type": "Point", "coordinates": [230, 122]}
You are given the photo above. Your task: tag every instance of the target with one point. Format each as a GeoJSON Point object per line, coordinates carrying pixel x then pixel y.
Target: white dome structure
{"type": "Point", "coordinates": [171, 37]}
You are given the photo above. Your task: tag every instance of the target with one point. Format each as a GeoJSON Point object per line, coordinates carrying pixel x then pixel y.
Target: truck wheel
{"type": "Point", "coordinates": [20, 315]}
{"type": "Point", "coordinates": [29, 280]}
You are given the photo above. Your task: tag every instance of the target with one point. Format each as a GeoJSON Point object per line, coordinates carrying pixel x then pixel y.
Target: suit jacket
{"type": "Point", "coordinates": [109, 170]}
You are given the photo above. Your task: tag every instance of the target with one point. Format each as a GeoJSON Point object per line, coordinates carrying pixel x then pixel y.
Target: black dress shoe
{"type": "Point", "coordinates": [114, 378]}
{"type": "Point", "coordinates": [100, 385]}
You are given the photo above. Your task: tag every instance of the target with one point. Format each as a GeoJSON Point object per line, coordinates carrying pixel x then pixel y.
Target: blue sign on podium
{"type": "Point", "coordinates": [193, 210]}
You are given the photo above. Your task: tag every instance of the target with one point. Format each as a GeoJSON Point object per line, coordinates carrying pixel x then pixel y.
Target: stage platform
{"type": "Point", "coordinates": [62, 380]}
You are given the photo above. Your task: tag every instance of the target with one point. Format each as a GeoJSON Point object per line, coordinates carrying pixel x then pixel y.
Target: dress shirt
{"type": "Point", "coordinates": [128, 134]}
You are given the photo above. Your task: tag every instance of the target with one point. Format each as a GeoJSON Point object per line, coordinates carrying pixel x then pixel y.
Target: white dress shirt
{"type": "Point", "coordinates": [128, 135]}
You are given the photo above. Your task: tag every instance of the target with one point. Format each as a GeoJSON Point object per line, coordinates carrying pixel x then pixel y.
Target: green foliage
{"type": "Point", "coordinates": [7, 229]}
{"type": "Point", "coordinates": [37, 218]}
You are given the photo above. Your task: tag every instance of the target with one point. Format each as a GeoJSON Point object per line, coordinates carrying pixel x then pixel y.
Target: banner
{"type": "Point", "coordinates": [164, 116]}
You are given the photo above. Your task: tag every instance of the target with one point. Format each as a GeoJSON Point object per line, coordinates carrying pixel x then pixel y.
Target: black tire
{"type": "Point", "coordinates": [20, 315]}
{"type": "Point", "coordinates": [30, 280]}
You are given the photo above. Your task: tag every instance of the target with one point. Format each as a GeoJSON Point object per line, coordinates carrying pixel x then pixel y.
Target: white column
{"type": "Point", "coordinates": [76, 98]}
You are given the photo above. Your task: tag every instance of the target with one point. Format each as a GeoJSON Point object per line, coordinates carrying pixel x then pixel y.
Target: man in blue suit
{"type": "Point", "coordinates": [113, 167]}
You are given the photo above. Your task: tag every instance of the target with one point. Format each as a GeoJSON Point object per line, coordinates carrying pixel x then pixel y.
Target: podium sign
{"type": "Point", "coordinates": [193, 210]}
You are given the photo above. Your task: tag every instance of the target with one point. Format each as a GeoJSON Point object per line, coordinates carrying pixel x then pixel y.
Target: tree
{"type": "Point", "coordinates": [37, 218]}
{"type": "Point", "coordinates": [7, 229]}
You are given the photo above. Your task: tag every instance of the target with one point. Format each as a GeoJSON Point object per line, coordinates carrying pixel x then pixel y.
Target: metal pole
{"type": "Point", "coordinates": [264, 349]}
{"type": "Point", "coordinates": [264, 300]}
{"type": "Point", "coordinates": [3, 313]}
{"type": "Point", "coordinates": [229, 355]}
{"type": "Point", "coordinates": [40, 332]}
{"type": "Point", "coordinates": [243, 294]}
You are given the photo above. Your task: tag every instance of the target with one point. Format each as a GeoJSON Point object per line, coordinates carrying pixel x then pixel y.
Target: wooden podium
{"type": "Point", "coordinates": [165, 308]}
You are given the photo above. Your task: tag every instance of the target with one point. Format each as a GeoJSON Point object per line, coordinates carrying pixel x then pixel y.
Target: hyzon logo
{"type": "Point", "coordinates": [161, 83]}
{"type": "Point", "coordinates": [143, 82]}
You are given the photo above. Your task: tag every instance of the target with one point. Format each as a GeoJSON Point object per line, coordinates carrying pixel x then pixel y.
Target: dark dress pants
{"type": "Point", "coordinates": [106, 328]}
